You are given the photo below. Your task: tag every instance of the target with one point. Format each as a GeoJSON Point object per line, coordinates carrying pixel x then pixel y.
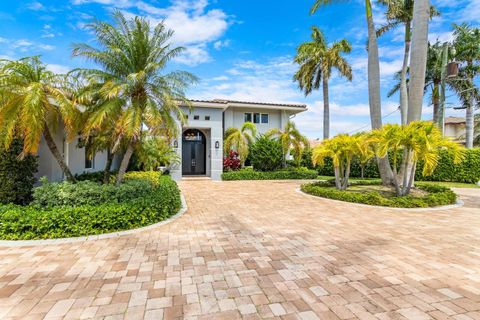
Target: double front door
{"type": "Point", "coordinates": [193, 152]}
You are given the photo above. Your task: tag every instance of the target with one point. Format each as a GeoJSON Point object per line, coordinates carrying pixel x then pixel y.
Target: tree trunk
{"type": "Point", "coordinates": [362, 171]}
{"type": "Point", "coordinates": [326, 109]}
{"type": "Point", "coordinates": [338, 184]}
{"type": "Point", "coordinates": [418, 59]}
{"type": "Point", "coordinates": [108, 165]}
{"type": "Point", "coordinates": [469, 123]}
{"type": "Point", "coordinates": [57, 155]}
{"type": "Point", "coordinates": [436, 103]}
{"type": "Point", "coordinates": [374, 91]}
{"type": "Point", "coordinates": [403, 76]}
{"type": "Point", "coordinates": [124, 163]}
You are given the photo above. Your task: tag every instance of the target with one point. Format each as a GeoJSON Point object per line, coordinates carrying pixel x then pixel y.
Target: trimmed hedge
{"type": "Point", "coordinates": [437, 196]}
{"type": "Point", "coordinates": [250, 174]}
{"type": "Point", "coordinates": [468, 171]}
{"type": "Point", "coordinates": [17, 177]}
{"type": "Point", "coordinates": [35, 222]}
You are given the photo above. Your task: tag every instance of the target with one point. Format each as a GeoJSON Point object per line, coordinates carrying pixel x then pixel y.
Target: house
{"type": "Point", "coordinates": [455, 128]}
{"type": "Point", "coordinates": [200, 144]}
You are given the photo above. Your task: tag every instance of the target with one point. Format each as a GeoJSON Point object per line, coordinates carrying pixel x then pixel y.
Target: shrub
{"type": "Point", "coordinates": [250, 174]}
{"type": "Point", "coordinates": [16, 176]}
{"type": "Point", "coordinates": [231, 161]}
{"type": "Point", "coordinates": [34, 222]}
{"type": "Point", "coordinates": [96, 176]}
{"type": "Point", "coordinates": [266, 154]}
{"type": "Point", "coordinates": [151, 176]}
{"type": "Point", "coordinates": [437, 196]}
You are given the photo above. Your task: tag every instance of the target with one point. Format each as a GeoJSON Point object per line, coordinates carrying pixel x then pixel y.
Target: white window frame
{"type": "Point", "coordinates": [251, 117]}
{"type": "Point", "coordinates": [261, 118]}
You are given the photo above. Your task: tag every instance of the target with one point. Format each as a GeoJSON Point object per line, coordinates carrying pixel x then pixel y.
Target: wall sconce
{"type": "Point", "coordinates": [217, 144]}
{"type": "Point", "coordinates": [175, 144]}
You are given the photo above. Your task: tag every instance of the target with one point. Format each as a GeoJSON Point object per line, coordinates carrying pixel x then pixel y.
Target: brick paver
{"type": "Point", "coordinates": [259, 250]}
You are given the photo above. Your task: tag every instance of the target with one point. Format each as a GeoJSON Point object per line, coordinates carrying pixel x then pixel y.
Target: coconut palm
{"type": "Point", "coordinates": [132, 82]}
{"type": "Point", "coordinates": [400, 12]}
{"type": "Point", "coordinates": [418, 59]}
{"type": "Point", "coordinates": [373, 80]}
{"type": "Point", "coordinates": [291, 140]}
{"type": "Point", "coordinates": [240, 140]}
{"type": "Point", "coordinates": [467, 47]}
{"type": "Point", "coordinates": [316, 60]}
{"type": "Point", "coordinates": [34, 102]}
{"type": "Point", "coordinates": [419, 141]}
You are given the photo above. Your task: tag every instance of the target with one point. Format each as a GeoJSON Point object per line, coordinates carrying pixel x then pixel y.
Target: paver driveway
{"type": "Point", "coordinates": [259, 250]}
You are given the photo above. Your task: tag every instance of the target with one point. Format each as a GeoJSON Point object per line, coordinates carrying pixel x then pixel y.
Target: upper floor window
{"type": "Point", "coordinates": [89, 160]}
{"type": "Point", "coordinates": [256, 118]}
{"type": "Point", "coordinates": [248, 117]}
{"type": "Point", "coordinates": [196, 117]}
{"type": "Point", "coordinates": [264, 117]}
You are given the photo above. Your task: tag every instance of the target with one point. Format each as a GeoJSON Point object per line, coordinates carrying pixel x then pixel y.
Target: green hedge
{"type": "Point", "coordinates": [266, 154]}
{"type": "Point", "coordinates": [249, 174]}
{"type": "Point", "coordinates": [35, 222]}
{"type": "Point", "coordinates": [437, 196]}
{"type": "Point", "coordinates": [468, 171]}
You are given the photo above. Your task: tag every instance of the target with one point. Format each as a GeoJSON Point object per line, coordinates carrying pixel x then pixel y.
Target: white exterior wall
{"type": "Point", "coordinates": [213, 131]}
{"type": "Point", "coordinates": [454, 131]}
{"type": "Point", "coordinates": [274, 118]}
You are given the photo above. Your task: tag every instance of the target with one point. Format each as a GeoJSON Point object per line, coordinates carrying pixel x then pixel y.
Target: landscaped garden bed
{"type": "Point", "coordinates": [250, 174]}
{"type": "Point", "coordinates": [61, 210]}
{"type": "Point", "coordinates": [371, 192]}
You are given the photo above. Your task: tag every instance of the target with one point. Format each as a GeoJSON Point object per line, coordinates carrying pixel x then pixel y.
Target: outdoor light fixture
{"type": "Point", "coordinates": [175, 144]}
{"type": "Point", "coordinates": [217, 144]}
{"type": "Point", "coordinates": [452, 69]}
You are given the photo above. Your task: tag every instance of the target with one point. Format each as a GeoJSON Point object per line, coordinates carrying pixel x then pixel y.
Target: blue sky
{"type": "Point", "coordinates": [240, 49]}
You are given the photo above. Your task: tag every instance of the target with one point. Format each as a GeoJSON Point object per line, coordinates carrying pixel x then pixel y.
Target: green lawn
{"type": "Point", "coordinates": [445, 184]}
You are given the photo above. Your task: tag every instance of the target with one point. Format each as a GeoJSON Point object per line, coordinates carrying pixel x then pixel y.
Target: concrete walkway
{"type": "Point", "coordinates": [257, 250]}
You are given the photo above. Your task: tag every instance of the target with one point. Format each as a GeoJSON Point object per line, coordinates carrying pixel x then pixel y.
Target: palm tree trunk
{"type": "Point", "coordinates": [57, 155]}
{"type": "Point", "coordinates": [108, 165]}
{"type": "Point", "coordinates": [124, 163]}
{"type": "Point", "coordinates": [469, 123]}
{"type": "Point", "coordinates": [326, 109]}
{"type": "Point", "coordinates": [418, 59]}
{"type": "Point", "coordinates": [403, 76]}
{"type": "Point", "coordinates": [374, 91]}
{"type": "Point", "coordinates": [436, 103]}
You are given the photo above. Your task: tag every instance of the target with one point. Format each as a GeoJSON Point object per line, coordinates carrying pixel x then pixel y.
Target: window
{"type": "Point", "coordinates": [248, 117]}
{"type": "Point", "coordinates": [196, 117]}
{"type": "Point", "coordinates": [207, 118]}
{"type": "Point", "coordinates": [89, 160]}
{"type": "Point", "coordinates": [256, 118]}
{"type": "Point", "coordinates": [264, 117]}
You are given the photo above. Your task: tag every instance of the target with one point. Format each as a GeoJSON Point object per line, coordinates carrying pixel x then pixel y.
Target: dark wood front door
{"type": "Point", "coordinates": [193, 152]}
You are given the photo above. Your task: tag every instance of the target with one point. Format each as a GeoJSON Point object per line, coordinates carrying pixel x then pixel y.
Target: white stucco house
{"type": "Point", "coordinates": [200, 143]}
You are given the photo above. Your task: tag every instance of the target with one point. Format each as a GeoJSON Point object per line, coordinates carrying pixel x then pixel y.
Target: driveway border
{"type": "Point", "coordinates": [20, 243]}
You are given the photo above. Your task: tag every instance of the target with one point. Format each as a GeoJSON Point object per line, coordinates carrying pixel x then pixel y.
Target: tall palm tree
{"type": "Point", "coordinates": [373, 81]}
{"type": "Point", "coordinates": [291, 139]}
{"type": "Point", "coordinates": [400, 12]}
{"type": "Point", "coordinates": [240, 140]}
{"type": "Point", "coordinates": [316, 60]}
{"type": "Point", "coordinates": [467, 47]}
{"type": "Point", "coordinates": [418, 59]}
{"type": "Point", "coordinates": [133, 57]}
{"type": "Point", "coordinates": [34, 101]}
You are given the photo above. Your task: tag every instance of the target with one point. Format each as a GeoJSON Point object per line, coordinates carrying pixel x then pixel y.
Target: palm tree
{"type": "Point", "coordinates": [240, 140]}
{"type": "Point", "coordinates": [401, 12]}
{"type": "Point", "coordinates": [34, 101]}
{"type": "Point", "coordinates": [291, 139]}
{"type": "Point", "coordinates": [373, 81]}
{"type": "Point", "coordinates": [467, 47]}
{"type": "Point", "coordinates": [133, 83]}
{"type": "Point", "coordinates": [418, 59]}
{"type": "Point", "coordinates": [420, 141]}
{"type": "Point", "coordinates": [316, 60]}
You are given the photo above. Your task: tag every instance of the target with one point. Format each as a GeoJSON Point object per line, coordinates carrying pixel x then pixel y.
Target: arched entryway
{"type": "Point", "coordinates": [194, 145]}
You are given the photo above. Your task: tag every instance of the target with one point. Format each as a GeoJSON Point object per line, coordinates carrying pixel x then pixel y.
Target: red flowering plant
{"type": "Point", "coordinates": [231, 161]}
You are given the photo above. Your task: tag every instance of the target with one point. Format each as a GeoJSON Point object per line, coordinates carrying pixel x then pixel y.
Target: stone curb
{"type": "Point", "coordinates": [458, 204]}
{"type": "Point", "coordinates": [20, 243]}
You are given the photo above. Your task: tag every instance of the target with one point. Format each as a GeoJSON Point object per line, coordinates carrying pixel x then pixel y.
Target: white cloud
{"type": "Point", "coordinates": [58, 68]}
{"type": "Point", "coordinates": [193, 55]}
{"type": "Point", "coordinates": [116, 3]}
{"type": "Point", "coordinates": [221, 44]}
{"type": "Point", "coordinates": [35, 6]}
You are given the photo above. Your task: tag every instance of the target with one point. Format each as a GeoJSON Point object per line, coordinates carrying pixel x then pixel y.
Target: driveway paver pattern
{"type": "Point", "coordinates": [256, 250]}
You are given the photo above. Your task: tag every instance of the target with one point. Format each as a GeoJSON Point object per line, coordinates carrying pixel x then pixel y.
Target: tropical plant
{"type": "Point", "coordinates": [467, 47]}
{"type": "Point", "coordinates": [240, 140]}
{"type": "Point", "coordinates": [291, 140]}
{"type": "Point", "coordinates": [231, 161]}
{"type": "Point", "coordinates": [155, 152]}
{"type": "Point", "coordinates": [266, 154]}
{"type": "Point", "coordinates": [365, 151]}
{"type": "Point", "coordinates": [34, 102]}
{"type": "Point", "coordinates": [341, 149]}
{"type": "Point", "coordinates": [418, 141]}
{"type": "Point", "coordinates": [316, 60]}
{"type": "Point", "coordinates": [133, 82]}
{"type": "Point", "coordinates": [400, 12]}
{"type": "Point", "coordinates": [373, 80]}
